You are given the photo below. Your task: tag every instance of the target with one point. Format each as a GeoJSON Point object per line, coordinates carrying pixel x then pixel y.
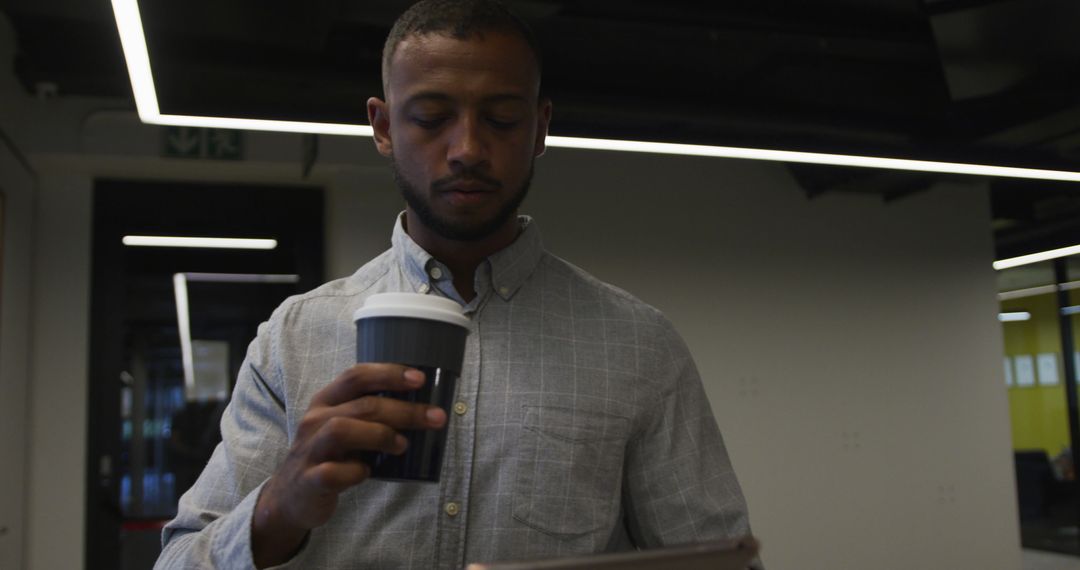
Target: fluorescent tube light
{"type": "Point", "coordinates": [184, 321]}
{"type": "Point", "coordinates": [1029, 292]}
{"type": "Point", "coordinates": [1041, 290]}
{"type": "Point", "coordinates": [1014, 316]}
{"type": "Point", "coordinates": [133, 41]}
{"type": "Point", "coordinates": [1036, 257]}
{"type": "Point", "coordinates": [206, 242]}
{"type": "Point", "coordinates": [813, 158]}
{"type": "Point", "coordinates": [258, 125]}
{"type": "Point", "coordinates": [241, 278]}
{"type": "Point", "coordinates": [1073, 310]}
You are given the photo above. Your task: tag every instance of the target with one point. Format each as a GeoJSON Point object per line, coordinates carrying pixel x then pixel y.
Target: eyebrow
{"type": "Point", "coordinates": [437, 96]}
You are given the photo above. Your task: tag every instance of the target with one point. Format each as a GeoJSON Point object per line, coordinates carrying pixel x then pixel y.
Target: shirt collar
{"type": "Point", "coordinates": [412, 258]}
{"type": "Point", "coordinates": [507, 269]}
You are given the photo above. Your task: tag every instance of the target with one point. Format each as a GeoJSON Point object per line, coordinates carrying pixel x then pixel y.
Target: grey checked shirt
{"type": "Point", "coordinates": [581, 426]}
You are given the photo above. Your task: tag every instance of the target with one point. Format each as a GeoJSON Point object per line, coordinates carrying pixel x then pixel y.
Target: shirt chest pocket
{"type": "Point", "coordinates": [568, 475]}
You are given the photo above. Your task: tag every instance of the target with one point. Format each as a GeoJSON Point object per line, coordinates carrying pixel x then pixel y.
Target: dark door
{"type": "Point", "coordinates": [158, 384]}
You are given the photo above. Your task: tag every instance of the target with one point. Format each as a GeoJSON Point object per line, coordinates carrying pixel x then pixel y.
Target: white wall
{"type": "Point", "coordinates": [16, 252]}
{"type": "Point", "coordinates": [17, 187]}
{"type": "Point", "coordinates": [57, 422]}
{"type": "Point", "coordinates": [850, 348]}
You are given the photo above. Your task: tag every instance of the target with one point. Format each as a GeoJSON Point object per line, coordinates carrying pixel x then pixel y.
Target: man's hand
{"type": "Point", "coordinates": [343, 418]}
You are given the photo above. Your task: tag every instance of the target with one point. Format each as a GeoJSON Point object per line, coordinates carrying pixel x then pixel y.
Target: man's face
{"type": "Point", "coordinates": [462, 124]}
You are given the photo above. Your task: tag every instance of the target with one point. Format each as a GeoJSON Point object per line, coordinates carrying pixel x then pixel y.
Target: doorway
{"type": "Point", "coordinates": [169, 328]}
{"type": "Point", "coordinates": [1039, 304]}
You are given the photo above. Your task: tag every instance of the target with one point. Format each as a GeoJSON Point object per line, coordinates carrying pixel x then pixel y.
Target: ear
{"type": "Point", "coordinates": [543, 119]}
{"type": "Point", "coordinates": [379, 117]}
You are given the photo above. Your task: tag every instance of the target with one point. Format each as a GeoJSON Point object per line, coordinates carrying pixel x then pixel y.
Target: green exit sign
{"type": "Point", "coordinates": [191, 142]}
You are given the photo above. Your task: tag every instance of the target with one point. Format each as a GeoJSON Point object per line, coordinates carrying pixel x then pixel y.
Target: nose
{"type": "Point", "coordinates": [467, 148]}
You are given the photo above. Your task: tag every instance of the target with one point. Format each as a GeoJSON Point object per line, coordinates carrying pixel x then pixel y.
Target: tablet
{"type": "Point", "coordinates": [719, 555]}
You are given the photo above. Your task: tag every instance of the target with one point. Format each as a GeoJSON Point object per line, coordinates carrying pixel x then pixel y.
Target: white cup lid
{"type": "Point", "coordinates": [412, 305]}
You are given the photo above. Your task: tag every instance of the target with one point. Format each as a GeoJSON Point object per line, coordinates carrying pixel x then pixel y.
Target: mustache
{"type": "Point", "coordinates": [469, 175]}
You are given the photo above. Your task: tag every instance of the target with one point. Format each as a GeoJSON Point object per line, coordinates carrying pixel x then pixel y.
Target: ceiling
{"type": "Point", "coordinates": [986, 81]}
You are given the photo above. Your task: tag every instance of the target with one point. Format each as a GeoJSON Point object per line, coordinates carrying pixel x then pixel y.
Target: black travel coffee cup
{"type": "Point", "coordinates": [425, 332]}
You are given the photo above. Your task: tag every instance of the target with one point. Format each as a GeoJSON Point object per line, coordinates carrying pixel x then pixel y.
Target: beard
{"type": "Point", "coordinates": [460, 230]}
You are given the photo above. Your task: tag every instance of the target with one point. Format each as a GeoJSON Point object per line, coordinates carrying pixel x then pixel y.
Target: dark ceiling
{"type": "Point", "coordinates": [987, 81]}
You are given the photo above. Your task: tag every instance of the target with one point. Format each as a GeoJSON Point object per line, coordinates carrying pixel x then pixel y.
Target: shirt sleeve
{"type": "Point", "coordinates": [212, 528]}
{"type": "Point", "coordinates": [679, 483]}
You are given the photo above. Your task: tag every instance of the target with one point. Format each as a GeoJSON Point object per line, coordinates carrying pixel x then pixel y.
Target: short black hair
{"type": "Point", "coordinates": [460, 19]}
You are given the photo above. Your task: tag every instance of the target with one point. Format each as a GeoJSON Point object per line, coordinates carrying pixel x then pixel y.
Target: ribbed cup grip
{"type": "Point", "coordinates": [411, 341]}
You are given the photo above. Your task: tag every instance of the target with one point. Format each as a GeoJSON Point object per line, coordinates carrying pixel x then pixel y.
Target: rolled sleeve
{"type": "Point", "coordinates": [212, 528]}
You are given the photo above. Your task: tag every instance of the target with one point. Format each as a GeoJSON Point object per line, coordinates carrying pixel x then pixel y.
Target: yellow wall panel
{"type": "Point", "coordinates": [1039, 413]}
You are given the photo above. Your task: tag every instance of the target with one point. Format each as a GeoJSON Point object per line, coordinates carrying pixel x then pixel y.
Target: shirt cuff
{"type": "Point", "coordinates": [231, 547]}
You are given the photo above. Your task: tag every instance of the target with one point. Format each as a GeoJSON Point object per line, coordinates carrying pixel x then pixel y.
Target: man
{"type": "Point", "coordinates": [580, 424]}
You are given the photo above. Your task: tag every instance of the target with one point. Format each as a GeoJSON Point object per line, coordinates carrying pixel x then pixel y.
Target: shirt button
{"type": "Point", "coordinates": [452, 509]}
{"type": "Point", "coordinates": [460, 408]}
{"type": "Point", "coordinates": [424, 288]}
{"type": "Point", "coordinates": [436, 273]}
{"type": "Point", "coordinates": [504, 290]}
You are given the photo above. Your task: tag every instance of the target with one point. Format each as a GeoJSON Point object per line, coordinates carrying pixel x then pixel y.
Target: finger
{"type": "Point", "coordinates": [368, 378]}
{"type": "Point", "coordinates": [336, 476]}
{"type": "Point", "coordinates": [398, 414]}
{"type": "Point", "coordinates": [341, 435]}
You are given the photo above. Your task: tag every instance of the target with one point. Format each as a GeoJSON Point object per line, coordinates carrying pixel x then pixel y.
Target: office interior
{"type": "Point", "coordinates": [884, 400]}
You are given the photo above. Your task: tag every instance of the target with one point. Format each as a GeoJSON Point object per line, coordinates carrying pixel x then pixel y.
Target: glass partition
{"type": "Point", "coordinates": [1036, 378]}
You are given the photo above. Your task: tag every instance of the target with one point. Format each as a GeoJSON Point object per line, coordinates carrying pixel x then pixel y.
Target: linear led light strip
{"type": "Point", "coordinates": [1041, 290]}
{"type": "Point", "coordinates": [183, 318]}
{"type": "Point", "coordinates": [133, 40]}
{"type": "Point", "coordinates": [1037, 257]}
{"type": "Point", "coordinates": [1014, 316]}
{"type": "Point", "coordinates": [204, 242]}
{"type": "Point", "coordinates": [183, 312]}
{"type": "Point", "coordinates": [1011, 316]}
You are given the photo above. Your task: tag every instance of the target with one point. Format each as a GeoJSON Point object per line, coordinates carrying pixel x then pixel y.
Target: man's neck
{"type": "Point", "coordinates": [461, 257]}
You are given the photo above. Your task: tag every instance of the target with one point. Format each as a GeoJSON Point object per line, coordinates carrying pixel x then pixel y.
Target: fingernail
{"type": "Point", "coordinates": [401, 443]}
{"type": "Point", "coordinates": [414, 377]}
{"type": "Point", "coordinates": [434, 415]}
